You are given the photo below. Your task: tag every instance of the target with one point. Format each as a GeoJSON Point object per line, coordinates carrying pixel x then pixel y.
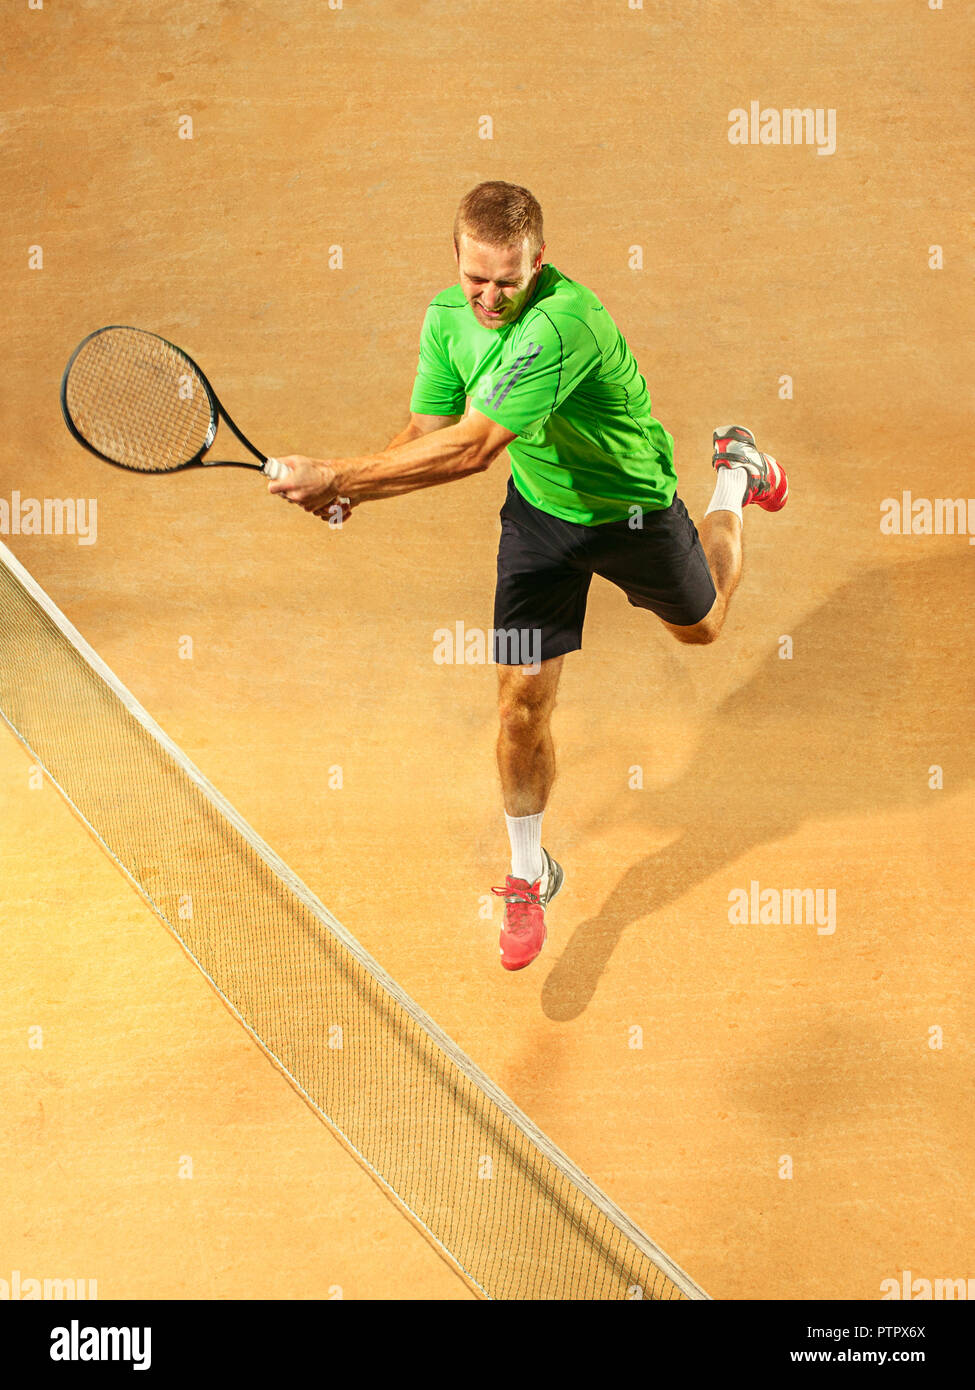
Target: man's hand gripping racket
{"type": "Point", "coordinates": [137, 401]}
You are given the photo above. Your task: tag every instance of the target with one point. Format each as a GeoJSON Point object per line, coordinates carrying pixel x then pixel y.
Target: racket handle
{"type": "Point", "coordinates": [274, 469]}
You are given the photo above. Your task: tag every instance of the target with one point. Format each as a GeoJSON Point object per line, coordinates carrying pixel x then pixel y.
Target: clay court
{"type": "Point", "coordinates": [783, 1108]}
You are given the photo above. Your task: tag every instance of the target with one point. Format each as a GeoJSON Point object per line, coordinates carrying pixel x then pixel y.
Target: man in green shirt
{"type": "Point", "coordinates": [517, 356]}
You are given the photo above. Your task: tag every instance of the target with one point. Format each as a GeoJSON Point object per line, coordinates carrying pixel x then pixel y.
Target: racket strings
{"type": "Point", "coordinates": [138, 401]}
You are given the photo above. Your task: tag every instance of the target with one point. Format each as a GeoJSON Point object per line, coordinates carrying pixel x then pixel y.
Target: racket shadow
{"type": "Point", "coordinates": [878, 691]}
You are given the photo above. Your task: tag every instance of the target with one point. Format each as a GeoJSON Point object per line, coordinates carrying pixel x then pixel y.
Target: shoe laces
{"type": "Point", "coordinates": [521, 898]}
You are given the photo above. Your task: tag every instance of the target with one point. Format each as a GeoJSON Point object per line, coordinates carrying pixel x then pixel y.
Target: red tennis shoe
{"type": "Point", "coordinates": [734, 447]}
{"type": "Point", "coordinates": [523, 933]}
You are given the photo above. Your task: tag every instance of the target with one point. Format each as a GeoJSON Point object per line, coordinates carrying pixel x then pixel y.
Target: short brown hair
{"type": "Point", "coordinates": [500, 214]}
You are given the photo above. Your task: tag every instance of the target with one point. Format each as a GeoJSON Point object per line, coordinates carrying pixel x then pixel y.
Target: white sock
{"type": "Point", "coordinates": [525, 833]}
{"type": "Point", "coordinates": [729, 491]}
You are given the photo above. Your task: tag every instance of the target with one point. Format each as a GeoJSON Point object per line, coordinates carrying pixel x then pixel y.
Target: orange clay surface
{"type": "Point", "coordinates": [762, 1045]}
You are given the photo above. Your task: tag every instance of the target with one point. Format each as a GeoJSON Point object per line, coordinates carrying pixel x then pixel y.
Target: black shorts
{"type": "Point", "coordinates": [545, 566]}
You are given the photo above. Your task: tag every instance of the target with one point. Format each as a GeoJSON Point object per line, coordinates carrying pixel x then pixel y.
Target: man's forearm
{"type": "Point", "coordinates": [413, 460]}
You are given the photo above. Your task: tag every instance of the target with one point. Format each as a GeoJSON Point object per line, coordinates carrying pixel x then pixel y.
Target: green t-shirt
{"type": "Point", "coordinates": [562, 378]}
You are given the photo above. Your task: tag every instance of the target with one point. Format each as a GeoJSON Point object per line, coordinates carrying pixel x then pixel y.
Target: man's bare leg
{"type": "Point", "coordinates": [720, 534]}
{"type": "Point", "coordinates": [744, 475]}
{"type": "Point", "coordinates": [526, 762]}
{"type": "Point", "coordinates": [526, 753]}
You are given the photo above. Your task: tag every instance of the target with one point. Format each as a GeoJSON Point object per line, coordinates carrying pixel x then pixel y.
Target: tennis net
{"type": "Point", "coordinates": [508, 1210]}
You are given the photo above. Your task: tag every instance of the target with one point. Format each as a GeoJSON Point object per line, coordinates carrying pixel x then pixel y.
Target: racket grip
{"type": "Point", "coordinates": [275, 470]}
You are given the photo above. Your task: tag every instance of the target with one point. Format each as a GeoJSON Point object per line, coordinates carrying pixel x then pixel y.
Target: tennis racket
{"type": "Point", "coordinates": [136, 400]}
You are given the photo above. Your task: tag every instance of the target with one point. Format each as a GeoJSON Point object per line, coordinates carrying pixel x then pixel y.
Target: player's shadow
{"type": "Point", "coordinates": [879, 688]}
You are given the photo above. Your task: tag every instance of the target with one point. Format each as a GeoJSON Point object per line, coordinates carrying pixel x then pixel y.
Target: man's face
{"type": "Point", "coordinates": [497, 280]}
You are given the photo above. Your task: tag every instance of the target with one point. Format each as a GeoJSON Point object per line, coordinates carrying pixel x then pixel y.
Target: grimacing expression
{"type": "Point", "coordinates": [497, 280]}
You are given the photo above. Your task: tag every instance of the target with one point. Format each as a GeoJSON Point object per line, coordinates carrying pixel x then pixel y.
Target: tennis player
{"type": "Point", "coordinates": [593, 490]}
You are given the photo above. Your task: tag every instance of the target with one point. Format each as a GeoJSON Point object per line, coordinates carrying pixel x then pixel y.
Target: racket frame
{"type": "Point", "coordinates": [217, 413]}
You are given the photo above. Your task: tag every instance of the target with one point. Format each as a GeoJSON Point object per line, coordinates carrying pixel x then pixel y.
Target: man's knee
{"type": "Point", "coordinates": [700, 634]}
{"type": "Point", "coordinates": [526, 700]}
{"type": "Point", "coordinates": [521, 709]}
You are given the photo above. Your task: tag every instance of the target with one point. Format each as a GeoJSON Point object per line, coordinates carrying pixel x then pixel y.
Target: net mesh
{"type": "Point", "coordinates": [490, 1191]}
{"type": "Point", "coordinates": [138, 400]}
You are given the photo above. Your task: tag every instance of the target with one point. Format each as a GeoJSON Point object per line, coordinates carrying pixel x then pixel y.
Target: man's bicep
{"type": "Point", "coordinates": [489, 435]}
